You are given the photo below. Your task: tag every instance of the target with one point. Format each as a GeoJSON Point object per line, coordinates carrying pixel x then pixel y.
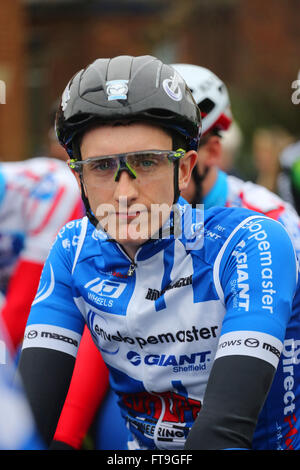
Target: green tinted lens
{"type": "Point", "coordinates": [104, 165]}
{"type": "Point", "coordinates": [147, 162]}
{"type": "Point", "coordinates": [295, 174]}
{"type": "Point", "coordinates": [97, 172]}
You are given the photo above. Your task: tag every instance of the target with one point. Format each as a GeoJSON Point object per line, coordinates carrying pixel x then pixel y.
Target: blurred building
{"type": "Point", "coordinates": [252, 45]}
{"type": "Point", "coordinates": [13, 114]}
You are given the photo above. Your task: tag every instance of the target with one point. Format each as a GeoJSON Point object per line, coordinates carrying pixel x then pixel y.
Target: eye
{"type": "Point", "coordinates": [103, 165]}
{"type": "Point", "coordinates": [144, 162]}
{"type": "Point", "coordinates": [147, 162]}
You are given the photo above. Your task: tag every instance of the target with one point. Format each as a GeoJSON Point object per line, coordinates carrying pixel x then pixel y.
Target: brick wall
{"type": "Point", "coordinates": [251, 44]}
{"type": "Point", "coordinates": [269, 43]}
{"type": "Point", "coordinates": [12, 72]}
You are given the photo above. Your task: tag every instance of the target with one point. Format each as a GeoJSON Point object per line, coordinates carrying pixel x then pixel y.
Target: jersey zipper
{"type": "Point", "coordinates": [133, 264]}
{"type": "Point", "coordinates": [131, 269]}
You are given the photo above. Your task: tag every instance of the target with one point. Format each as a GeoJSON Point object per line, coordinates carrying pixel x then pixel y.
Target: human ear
{"type": "Point", "coordinates": [213, 151]}
{"type": "Point", "coordinates": [186, 166]}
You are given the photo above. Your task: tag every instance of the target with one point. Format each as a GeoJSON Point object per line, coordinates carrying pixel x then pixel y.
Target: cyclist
{"type": "Point", "coordinates": [219, 188]}
{"type": "Point", "coordinates": [37, 197]}
{"type": "Point", "coordinates": [195, 320]}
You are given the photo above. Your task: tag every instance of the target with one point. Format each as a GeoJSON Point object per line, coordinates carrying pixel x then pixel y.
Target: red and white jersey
{"type": "Point", "coordinates": [255, 197]}
{"type": "Point", "coordinates": [37, 197]}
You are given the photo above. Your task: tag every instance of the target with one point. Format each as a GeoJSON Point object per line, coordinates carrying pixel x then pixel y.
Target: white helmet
{"type": "Point", "coordinates": [211, 95]}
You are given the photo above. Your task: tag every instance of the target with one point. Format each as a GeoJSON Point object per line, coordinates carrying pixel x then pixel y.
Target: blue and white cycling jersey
{"type": "Point", "coordinates": [226, 289]}
{"type": "Point", "coordinates": [37, 197]}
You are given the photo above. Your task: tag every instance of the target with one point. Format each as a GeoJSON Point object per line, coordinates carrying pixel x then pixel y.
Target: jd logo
{"type": "Point", "coordinates": [106, 288]}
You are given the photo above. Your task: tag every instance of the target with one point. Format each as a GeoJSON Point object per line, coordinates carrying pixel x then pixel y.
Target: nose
{"type": "Point", "coordinates": [126, 187]}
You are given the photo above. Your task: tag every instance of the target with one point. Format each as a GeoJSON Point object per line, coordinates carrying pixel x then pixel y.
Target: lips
{"type": "Point", "coordinates": [128, 215]}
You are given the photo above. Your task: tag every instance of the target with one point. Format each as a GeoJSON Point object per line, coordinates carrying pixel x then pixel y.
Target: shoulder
{"type": "Point", "coordinates": [71, 229]}
{"type": "Point", "coordinates": [228, 221]}
{"type": "Point", "coordinates": [79, 239]}
{"type": "Point", "coordinates": [221, 222]}
{"type": "Point", "coordinates": [225, 228]}
{"type": "Point", "coordinates": [262, 240]}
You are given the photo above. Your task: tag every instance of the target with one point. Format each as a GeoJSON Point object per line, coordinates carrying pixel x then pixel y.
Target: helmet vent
{"type": "Point", "coordinates": [206, 106]}
{"type": "Point", "coordinates": [92, 90]}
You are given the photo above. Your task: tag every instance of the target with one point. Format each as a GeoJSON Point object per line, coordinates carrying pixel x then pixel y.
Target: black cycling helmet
{"type": "Point", "coordinates": [130, 89]}
{"type": "Point", "coordinates": [126, 87]}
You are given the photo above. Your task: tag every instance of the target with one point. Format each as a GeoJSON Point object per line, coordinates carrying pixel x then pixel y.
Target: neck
{"type": "Point", "coordinates": [130, 250]}
{"type": "Point", "coordinates": [210, 180]}
{"type": "Point", "coordinates": [216, 193]}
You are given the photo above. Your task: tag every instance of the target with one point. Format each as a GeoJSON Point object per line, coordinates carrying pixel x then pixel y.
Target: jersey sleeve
{"type": "Point", "coordinates": [54, 321]}
{"type": "Point", "coordinates": [51, 341]}
{"type": "Point", "coordinates": [256, 276]}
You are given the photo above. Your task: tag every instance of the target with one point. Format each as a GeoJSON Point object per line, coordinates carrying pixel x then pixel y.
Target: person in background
{"type": "Point", "coordinates": [288, 182]}
{"type": "Point", "coordinates": [53, 148]}
{"type": "Point", "coordinates": [232, 141]}
{"type": "Point", "coordinates": [212, 186]}
{"type": "Point", "coordinates": [267, 145]}
{"type": "Point", "coordinates": [37, 197]}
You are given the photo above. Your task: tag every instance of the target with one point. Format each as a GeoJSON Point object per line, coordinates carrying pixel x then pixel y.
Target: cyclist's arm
{"type": "Point", "coordinates": [17, 426]}
{"type": "Point", "coordinates": [88, 388]}
{"type": "Point", "coordinates": [46, 376]}
{"type": "Point", "coordinates": [257, 281]}
{"type": "Point", "coordinates": [51, 341]}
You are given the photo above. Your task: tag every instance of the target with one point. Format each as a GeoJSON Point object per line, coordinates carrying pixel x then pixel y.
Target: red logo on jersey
{"type": "Point", "coordinates": [177, 408]}
{"type": "Point", "coordinates": [291, 420]}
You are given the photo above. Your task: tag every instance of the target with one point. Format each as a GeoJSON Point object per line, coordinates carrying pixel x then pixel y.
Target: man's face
{"type": "Point", "coordinates": [132, 209]}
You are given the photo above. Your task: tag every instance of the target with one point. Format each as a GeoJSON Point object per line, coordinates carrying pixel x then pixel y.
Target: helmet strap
{"type": "Point", "coordinates": [178, 141]}
{"type": "Point", "coordinates": [87, 206]}
{"type": "Point", "coordinates": [198, 196]}
{"type": "Point", "coordinates": [88, 210]}
{"type": "Point", "coordinates": [175, 179]}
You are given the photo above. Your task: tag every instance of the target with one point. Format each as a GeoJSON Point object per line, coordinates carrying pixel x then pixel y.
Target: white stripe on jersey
{"type": "Point", "coordinates": [51, 337]}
